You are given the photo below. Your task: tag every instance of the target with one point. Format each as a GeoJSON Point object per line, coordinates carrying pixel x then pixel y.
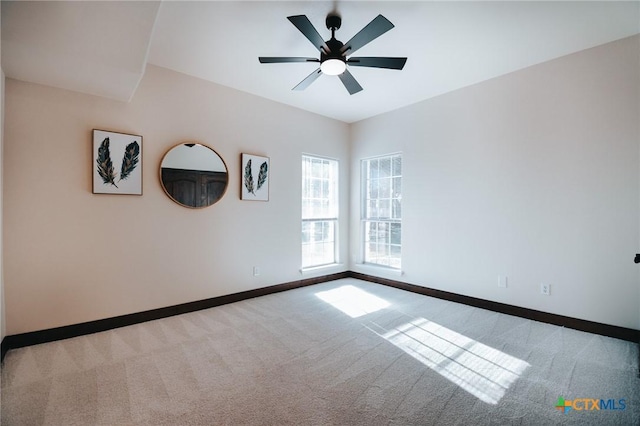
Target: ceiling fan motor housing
{"type": "Point", "coordinates": [334, 51]}
{"type": "Point", "coordinates": [333, 21]}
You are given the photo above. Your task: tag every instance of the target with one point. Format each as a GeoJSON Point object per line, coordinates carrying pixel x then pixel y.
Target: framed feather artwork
{"type": "Point", "coordinates": [255, 178]}
{"type": "Point", "coordinates": [117, 163]}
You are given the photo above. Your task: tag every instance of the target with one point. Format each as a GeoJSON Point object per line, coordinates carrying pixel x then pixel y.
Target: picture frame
{"type": "Point", "coordinates": [116, 163]}
{"type": "Point", "coordinates": [255, 177]}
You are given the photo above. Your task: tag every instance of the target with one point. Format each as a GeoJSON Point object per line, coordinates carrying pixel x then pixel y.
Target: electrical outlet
{"type": "Point", "coordinates": [545, 289]}
{"type": "Point", "coordinates": [502, 281]}
{"type": "Point", "coordinates": [256, 271]}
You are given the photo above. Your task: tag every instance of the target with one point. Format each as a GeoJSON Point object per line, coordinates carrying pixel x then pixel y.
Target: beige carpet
{"type": "Point", "coordinates": [341, 353]}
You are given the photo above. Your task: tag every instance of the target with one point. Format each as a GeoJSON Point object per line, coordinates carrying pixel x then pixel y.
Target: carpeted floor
{"type": "Point", "coordinates": [345, 352]}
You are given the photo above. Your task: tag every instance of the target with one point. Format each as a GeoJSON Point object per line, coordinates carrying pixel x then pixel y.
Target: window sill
{"type": "Point", "coordinates": [313, 269]}
{"type": "Point", "coordinates": [380, 269]}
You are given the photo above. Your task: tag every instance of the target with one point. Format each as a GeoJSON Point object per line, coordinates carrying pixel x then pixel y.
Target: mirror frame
{"type": "Point", "coordinates": [192, 143]}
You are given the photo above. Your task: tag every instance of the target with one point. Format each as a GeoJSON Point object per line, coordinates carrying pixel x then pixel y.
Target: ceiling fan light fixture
{"type": "Point", "coordinates": [333, 66]}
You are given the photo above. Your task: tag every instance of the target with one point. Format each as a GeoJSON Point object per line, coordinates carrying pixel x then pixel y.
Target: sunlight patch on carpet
{"type": "Point", "coordinates": [481, 370]}
{"type": "Point", "coordinates": [353, 301]}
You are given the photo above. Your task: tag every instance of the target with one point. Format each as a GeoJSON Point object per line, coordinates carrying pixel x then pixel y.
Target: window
{"type": "Point", "coordinates": [319, 211]}
{"type": "Point", "coordinates": [381, 210]}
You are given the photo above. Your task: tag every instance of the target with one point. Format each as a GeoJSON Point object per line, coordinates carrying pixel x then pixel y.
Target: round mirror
{"type": "Point", "coordinates": [193, 175]}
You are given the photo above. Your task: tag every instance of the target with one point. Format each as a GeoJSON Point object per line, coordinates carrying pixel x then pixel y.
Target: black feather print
{"type": "Point", "coordinates": [262, 176]}
{"type": "Point", "coordinates": [248, 178]}
{"type": "Point", "coordinates": [130, 159]}
{"type": "Point", "coordinates": [105, 166]}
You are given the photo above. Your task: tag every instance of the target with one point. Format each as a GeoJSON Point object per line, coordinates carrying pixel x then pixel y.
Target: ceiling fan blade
{"type": "Point", "coordinates": [377, 62]}
{"type": "Point", "coordinates": [349, 82]}
{"type": "Point", "coordinates": [282, 59]}
{"type": "Point", "coordinates": [308, 80]}
{"type": "Point", "coordinates": [373, 30]}
{"type": "Point", "coordinates": [309, 31]}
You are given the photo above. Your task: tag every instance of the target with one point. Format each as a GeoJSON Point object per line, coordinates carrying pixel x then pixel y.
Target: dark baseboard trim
{"type": "Point", "coordinates": [66, 332]}
{"type": "Point", "coordinates": [518, 311]}
{"type": "Point", "coordinates": [4, 348]}
{"type": "Point", "coordinates": [75, 330]}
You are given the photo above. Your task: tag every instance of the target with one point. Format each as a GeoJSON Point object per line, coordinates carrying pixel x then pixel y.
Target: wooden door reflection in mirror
{"type": "Point", "coordinates": [193, 175]}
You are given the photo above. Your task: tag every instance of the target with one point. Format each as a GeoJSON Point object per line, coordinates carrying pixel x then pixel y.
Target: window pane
{"type": "Point", "coordinates": [373, 188]}
{"type": "Point", "coordinates": [397, 209]}
{"type": "Point", "coordinates": [373, 169]}
{"type": "Point", "coordinates": [373, 248]}
{"type": "Point", "coordinates": [382, 210]}
{"type": "Point", "coordinates": [385, 167]}
{"type": "Point", "coordinates": [316, 188]}
{"type": "Point", "coordinates": [397, 165]}
{"type": "Point", "coordinates": [319, 248]}
{"type": "Point", "coordinates": [306, 232]}
{"type": "Point", "coordinates": [383, 244]}
{"type": "Point", "coordinates": [385, 188]}
{"type": "Point", "coordinates": [383, 233]}
{"type": "Point", "coordinates": [396, 234]}
{"type": "Point", "coordinates": [316, 168]}
{"type": "Point", "coordinates": [319, 201]}
{"type": "Point", "coordinates": [317, 231]}
{"type": "Point", "coordinates": [397, 187]}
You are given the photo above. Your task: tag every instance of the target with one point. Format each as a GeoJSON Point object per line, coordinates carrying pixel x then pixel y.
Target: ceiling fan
{"type": "Point", "coordinates": [333, 53]}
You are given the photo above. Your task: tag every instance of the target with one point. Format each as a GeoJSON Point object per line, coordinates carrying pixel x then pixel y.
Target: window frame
{"type": "Point", "coordinates": [390, 221]}
{"type": "Point", "coordinates": [333, 211]}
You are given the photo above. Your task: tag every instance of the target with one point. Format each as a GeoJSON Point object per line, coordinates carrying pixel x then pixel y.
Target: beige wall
{"type": "Point", "coordinates": [72, 256]}
{"type": "Point", "coordinates": [3, 323]}
{"type": "Point", "coordinates": [3, 327]}
{"type": "Point", "coordinates": [533, 175]}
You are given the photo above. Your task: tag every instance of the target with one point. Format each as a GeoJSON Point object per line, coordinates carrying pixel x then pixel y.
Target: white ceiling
{"type": "Point", "coordinates": [101, 48]}
{"type": "Point", "coordinates": [91, 47]}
